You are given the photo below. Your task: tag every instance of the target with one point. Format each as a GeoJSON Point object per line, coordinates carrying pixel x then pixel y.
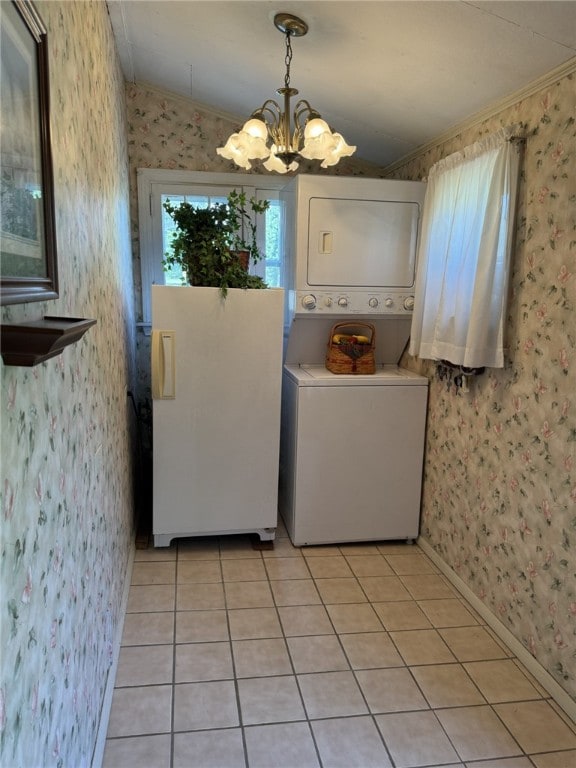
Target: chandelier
{"type": "Point", "coordinates": [268, 135]}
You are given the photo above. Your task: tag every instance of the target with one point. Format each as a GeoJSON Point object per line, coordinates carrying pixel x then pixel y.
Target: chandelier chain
{"type": "Point", "coordinates": [288, 60]}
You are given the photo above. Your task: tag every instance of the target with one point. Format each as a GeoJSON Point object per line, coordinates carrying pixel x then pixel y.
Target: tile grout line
{"type": "Point", "coordinates": [508, 655]}
{"type": "Point", "coordinates": [236, 679]}
{"type": "Point", "coordinates": [354, 675]}
{"type": "Point", "coordinates": [407, 666]}
{"type": "Point", "coordinates": [291, 661]}
{"type": "Point", "coordinates": [174, 628]}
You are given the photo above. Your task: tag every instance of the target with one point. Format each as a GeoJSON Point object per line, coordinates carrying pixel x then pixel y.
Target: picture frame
{"type": "Point", "coordinates": [28, 255]}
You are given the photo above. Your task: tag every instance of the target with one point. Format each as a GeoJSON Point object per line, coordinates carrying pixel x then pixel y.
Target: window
{"type": "Point", "coordinates": [464, 255]}
{"type": "Point", "coordinates": [174, 275]}
{"type": "Point", "coordinates": [156, 226]}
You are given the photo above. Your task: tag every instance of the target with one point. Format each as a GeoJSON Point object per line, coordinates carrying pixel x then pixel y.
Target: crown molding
{"type": "Point", "coordinates": [199, 105]}
{"type": "Point", "coordinates": [556, 74]}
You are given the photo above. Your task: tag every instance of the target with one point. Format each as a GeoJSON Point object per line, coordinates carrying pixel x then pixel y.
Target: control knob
{"type": "Point", "coordinates": [342, 301]}
{"type": "Point", "coordinates": [389, 302]}
{"type": "Point", "coordinates": [373, 302]}
{"type": "Point", "coordinates": [309, 302]}
{"type": "Point", "coordinates": [409, 303]}
{"type": "Point", "coordinates": [328, 301]}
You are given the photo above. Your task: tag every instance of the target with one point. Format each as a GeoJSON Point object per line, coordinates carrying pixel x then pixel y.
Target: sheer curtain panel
{"type": "Point", "coordinates": [464, 254]}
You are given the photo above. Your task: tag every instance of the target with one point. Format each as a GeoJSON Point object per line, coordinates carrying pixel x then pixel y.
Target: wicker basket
{"type": "Point", "coordinates": [345, 354]}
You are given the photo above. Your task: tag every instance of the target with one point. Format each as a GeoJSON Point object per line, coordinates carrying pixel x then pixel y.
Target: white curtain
{"type": "Point", "coordinates": [464, 254]}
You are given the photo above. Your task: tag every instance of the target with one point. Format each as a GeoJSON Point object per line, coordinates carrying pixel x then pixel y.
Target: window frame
{"type": "Point", "coordinates": [153, 182]}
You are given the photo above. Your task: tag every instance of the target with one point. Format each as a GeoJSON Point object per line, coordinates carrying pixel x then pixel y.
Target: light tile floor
{"type": "Point", "coordinates": [346, 656]}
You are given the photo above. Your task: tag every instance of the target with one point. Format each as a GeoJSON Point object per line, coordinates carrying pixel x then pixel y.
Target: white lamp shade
{"type": "Point", "coordinates": [275, 164]}
{"type": "Point", "coordinates": [315, 128]}
{"type": "Point", "coordinates": [256, 128]}
{"type": "Point", "coordinates": [252, 138]}
{"type": "Point", "coordinates": [340, 149]}
{"type": "Point", "coordinates": [235, 150]}
{"type": "Point", "coordinates": [248, 144]}
{"type": "Point", "coordinates": [254, 147]}
{"type": "Point", "coordinates": [319, 147]}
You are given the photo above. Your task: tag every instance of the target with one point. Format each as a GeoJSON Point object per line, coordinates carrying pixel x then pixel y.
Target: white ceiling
{"type": "Point", "coordinates": [390, 75]}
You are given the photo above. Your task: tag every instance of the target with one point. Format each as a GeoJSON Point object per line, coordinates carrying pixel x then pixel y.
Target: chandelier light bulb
{"type": "Point", "coordinates": [279, 135]}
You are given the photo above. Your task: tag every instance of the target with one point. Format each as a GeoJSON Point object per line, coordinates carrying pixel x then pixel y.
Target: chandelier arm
{"type": "Point", "coordinates": [304, 104]}
{"type": "Point", "coordinates": [271, 108]}
{"type": "Point", "coordinates": [301, 108]}
{"type": "Point", "coordinates": [276, 121]}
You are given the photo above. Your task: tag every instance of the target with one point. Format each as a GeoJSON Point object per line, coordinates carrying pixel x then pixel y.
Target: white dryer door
{"type": "Point", "coordinates": [362, 243]}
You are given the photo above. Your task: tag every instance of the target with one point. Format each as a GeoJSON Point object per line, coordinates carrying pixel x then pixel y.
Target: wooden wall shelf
{"type": "Point", "coordinates": [34, 342]}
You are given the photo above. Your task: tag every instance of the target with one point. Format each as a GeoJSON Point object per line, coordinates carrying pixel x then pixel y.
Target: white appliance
{"type": "Point", "coordinates": [351, 245]}
{"type": "Point", "coordinates": [352, 446]}
{"type": "Point", "coordinates": [216, 379]}
{"type": "Point", "coordinates": [352, 449]}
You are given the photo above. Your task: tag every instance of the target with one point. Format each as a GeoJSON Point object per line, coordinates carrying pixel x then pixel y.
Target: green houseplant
{"type": "Point", "coordinates": [214, 245]}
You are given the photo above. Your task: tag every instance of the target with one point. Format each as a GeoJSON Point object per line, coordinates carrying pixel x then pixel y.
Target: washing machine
{"type": "Point", "coordinates": [351, 454]}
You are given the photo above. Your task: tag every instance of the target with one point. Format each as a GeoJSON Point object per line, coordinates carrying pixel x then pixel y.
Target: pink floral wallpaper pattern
{"type": "Point", "coordinates": [65, 477]}
{"type": "Point", "coordinates": [499, 501]}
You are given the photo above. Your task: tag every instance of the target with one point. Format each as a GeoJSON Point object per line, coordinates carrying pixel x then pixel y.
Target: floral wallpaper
{"type": "Point", "coordinates": [499, 501]}
{"type": "Point", "coordinates": [66, 472]}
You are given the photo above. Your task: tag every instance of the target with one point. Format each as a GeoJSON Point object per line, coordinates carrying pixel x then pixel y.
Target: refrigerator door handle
{"type": "Point", "coordinates": [163, 345]}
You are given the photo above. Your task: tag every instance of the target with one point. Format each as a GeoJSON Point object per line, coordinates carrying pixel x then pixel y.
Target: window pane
{"type": "Point", "coordinates": [272, 278]}
{"type": "Point", "coordinates": [269, 235]}
{"type": "Point", "coordinates": [273, 244]}
{"type": "Point", "coordinates": [175, 275]}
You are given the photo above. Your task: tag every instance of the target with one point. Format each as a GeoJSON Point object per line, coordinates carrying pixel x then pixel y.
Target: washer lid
{"type": "Point", "coordinates": [320, 376]}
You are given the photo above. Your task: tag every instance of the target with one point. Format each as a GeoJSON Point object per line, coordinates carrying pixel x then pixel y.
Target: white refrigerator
{"type": "Point", "coordinates": [216, 388]}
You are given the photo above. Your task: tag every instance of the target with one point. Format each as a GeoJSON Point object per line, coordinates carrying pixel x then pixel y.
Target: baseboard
{"type": "Point", "coordinates": [563, 699]}
{"type": "Point", "coordinates": [98, 754]}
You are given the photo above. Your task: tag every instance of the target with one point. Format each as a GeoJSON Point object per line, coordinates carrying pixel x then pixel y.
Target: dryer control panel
{"type": "Point", "coordinates": [348, 302]}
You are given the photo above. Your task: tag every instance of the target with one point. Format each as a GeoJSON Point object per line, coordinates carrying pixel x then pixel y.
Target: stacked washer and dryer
{"type": "Point", "coordinates": [352, 445]}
